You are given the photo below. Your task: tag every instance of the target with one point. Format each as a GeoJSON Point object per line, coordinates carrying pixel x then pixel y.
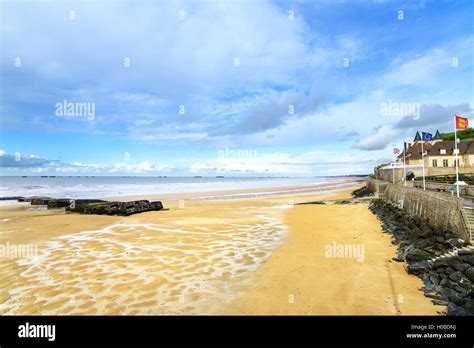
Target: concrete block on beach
{"type": "Point", "coordinates": [57, 202]}
{"type": "Point", "coordinates": [35, 200]}
{"type": "Point", "coordinates": [66, 202]}
{"type": "Point", "coordinates": [116, 208]}
{"type": "Point", "coordinates": [93, 206]}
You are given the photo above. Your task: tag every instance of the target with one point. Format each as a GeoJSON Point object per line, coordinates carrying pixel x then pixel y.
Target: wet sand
{"type": "Point", "coordinates": [205, 256]}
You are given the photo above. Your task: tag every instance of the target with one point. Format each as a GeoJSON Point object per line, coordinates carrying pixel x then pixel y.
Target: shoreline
{"type": "Point", "coordinates": [245, 193]}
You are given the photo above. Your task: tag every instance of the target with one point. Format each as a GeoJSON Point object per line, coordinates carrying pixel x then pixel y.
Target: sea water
{"type": "Point", "coordinates": [111, 186]}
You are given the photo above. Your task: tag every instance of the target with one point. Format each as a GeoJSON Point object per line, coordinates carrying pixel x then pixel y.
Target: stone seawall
{"type": "Point", "coordinates": [377, 187]}
{"type": "Point", "coordinates": [388, 174]}
{"type": "Point", "coordinates": [438, 209]}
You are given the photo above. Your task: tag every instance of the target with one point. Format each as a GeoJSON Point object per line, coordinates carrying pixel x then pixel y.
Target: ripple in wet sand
{"type": "Point", "coordinates": [142, 269]}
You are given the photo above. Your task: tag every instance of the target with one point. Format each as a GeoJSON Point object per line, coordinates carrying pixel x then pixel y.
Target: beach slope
{"type": "Point", "coordinates": [304, 277]}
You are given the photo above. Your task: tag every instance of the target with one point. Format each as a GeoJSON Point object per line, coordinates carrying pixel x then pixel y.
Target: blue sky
{"type": "Point", "coordinates": [235, 88]}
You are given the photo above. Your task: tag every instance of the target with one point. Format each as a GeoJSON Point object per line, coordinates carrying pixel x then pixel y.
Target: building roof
{"type": "Point", "coordinates": [465, 148]}
{"type": "Point", "coordinates": [414, 152]}
{"type": "Point", "coordinates": [417, 137]}
{"type": "Point", "coordinates": [433, 149]}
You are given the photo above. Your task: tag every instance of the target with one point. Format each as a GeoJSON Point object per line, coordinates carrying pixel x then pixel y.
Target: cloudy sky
{"type": "Point", "coordinates": [293, 88]}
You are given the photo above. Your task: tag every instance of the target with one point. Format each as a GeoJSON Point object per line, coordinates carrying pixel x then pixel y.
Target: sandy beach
{"type": "Point", "coordinates": [301, 279]}
{"type": "Point", "coordinates": [259, 254]}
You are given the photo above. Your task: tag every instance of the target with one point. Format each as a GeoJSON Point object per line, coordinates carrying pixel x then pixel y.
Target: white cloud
{"type": "Point", "coordinates": [172, 62]}
{"type": "Point", "coordinates": [190, 62]}
{"type": "Point", "coordinates": [418, 71]}
{"type": "Point", "coordinates": [378, 141]}
{"type": "Point", "coordinates": [309, 163]}
{"type": "Point", "coordinates": [439, 75]}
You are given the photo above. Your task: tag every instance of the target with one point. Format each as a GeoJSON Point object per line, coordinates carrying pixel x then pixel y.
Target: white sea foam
{"type": "Point", "coordinates": [202, 265]}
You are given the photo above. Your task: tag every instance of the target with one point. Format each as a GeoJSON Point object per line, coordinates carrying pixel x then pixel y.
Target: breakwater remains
{"type": "Point", "coordinates": [92, 206]}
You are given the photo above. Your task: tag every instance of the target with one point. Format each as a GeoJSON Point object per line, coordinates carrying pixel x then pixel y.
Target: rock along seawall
{"type": "Point", "coordinates": [438, 209]}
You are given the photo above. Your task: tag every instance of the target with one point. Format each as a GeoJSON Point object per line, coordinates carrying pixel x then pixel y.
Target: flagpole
{"type": "Point", "coordinates": [404, 169]}
{"type": "Point", "coordinates": [423, 162]}
{"type": "Point", "coordinates": [456, 157]}
{"type": "Point", "coordinates": [393, 173]}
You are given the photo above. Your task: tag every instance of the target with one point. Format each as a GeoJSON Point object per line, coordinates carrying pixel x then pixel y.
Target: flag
{"type": "Point", "coordinates": [396, 151]}
{"type": "Point", "coordinates": [461, 122]}
{"type": "Point", "coordinates": [426, 136]}
{"type": "Point", "coordinates": [407, 146]}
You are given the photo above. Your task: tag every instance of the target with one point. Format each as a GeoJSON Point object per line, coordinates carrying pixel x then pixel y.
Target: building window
{"type": "Point", "coordinates": [435, 163]}
{"type": "Point", "coordinates": [445, 163]}
{"type": "Point", "coordinates": [442, 151]}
